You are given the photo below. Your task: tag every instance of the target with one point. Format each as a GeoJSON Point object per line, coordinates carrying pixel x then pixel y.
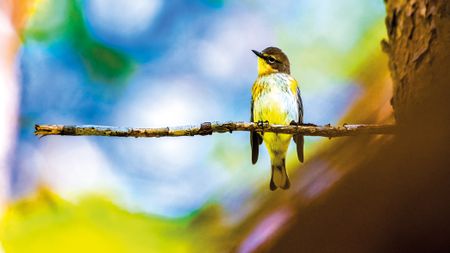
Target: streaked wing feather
{"type": "Point", "coordinates": [255, 139]}
{"type": "Point", "coordinates": [299, 139]}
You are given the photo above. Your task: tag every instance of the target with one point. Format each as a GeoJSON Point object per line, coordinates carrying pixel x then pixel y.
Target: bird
{"type": "Point", "coordinates": [276, 100]}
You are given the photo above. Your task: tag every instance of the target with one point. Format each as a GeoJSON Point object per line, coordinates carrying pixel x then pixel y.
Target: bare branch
{"type": "Point", "coordinates": [208, 128]}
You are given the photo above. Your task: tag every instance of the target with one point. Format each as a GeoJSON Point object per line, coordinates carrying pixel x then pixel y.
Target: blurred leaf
{"type": "Point", "coordinates": [104, 63]}
{"type": "Point", "coordinates": [47, 223]}
{"type": "Point", "coordinates": [63, 19]}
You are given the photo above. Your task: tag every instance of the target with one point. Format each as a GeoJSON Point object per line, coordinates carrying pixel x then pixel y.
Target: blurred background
{"type": "Point", "coordinates": [150, 63]}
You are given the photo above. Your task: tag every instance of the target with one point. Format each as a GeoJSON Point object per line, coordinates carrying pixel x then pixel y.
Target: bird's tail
{"type": "Point", "coordinates": [279, 176]}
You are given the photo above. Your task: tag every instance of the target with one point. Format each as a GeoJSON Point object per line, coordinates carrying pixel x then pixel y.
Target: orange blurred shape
{"type": "Point", "coordinates": [21, 11]}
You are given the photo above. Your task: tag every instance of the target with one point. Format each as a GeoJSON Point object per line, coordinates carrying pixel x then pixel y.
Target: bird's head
{"type": "Point", "coordinates": [272, 60]}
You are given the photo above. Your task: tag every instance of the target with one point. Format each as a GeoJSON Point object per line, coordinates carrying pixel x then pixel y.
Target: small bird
{"type": "Point", "coordinates": [276, 100]}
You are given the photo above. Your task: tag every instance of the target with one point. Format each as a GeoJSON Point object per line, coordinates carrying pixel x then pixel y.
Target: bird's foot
{"type": "Point", "coordinates": [262, 124]}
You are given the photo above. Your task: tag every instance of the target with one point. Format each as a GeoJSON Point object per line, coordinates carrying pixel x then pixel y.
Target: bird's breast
{"type": "Point", "coordinates": [273, 99]}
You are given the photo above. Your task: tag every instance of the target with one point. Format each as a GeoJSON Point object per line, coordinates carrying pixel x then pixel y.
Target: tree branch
{"type": "Point", "coordinates": [208, 128]}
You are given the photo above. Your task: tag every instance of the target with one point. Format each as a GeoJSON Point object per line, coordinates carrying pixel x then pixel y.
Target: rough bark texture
{"type": "Point", "coordinates": [418, 49]}
{"type": "Point", "coordinates": [398, 198]}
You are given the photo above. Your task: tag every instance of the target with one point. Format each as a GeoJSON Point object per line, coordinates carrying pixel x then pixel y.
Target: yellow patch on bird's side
{"type": "Point", "coordinates": [256, 90]}
{"type": "Point", "coordinates": [293, 86]}
{"type": "Point", "coordinates": [264, 68]}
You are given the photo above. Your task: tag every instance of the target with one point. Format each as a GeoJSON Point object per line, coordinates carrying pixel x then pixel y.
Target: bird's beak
{"type": "Point", "coordinates": [259, 54]}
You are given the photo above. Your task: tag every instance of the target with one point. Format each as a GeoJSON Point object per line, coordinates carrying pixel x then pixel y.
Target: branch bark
{"type": "Point", "coordinates": [208, 128]}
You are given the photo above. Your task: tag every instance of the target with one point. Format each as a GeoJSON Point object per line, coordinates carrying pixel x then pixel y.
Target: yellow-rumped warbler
{"type": "Point", "coordinates": [276, 100]}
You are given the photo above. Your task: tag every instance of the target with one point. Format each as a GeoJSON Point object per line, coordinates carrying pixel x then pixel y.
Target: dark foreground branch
{"type": "Point", "coordinates": [208, 128]}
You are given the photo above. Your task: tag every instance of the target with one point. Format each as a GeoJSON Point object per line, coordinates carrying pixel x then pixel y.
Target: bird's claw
{"type": "Point", "coordinates": [261, 123]}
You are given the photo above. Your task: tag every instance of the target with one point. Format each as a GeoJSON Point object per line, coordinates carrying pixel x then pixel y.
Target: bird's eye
{"type": "Point", "coordinates": [271, 60]}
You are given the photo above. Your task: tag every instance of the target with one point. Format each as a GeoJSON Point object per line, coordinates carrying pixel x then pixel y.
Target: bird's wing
{"type": "Point", "coordinates": [255, 138]}
{"type": "Point", "coordinates": [298, 138]}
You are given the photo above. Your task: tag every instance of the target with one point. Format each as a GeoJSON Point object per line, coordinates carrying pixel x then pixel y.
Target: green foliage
{"type": "Point", "coordinates": [63, 20]}
{"type": "Point", "coordinates": [47, 223]}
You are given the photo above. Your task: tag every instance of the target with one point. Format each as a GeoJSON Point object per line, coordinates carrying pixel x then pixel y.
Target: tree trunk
{"type": "Point", "coordinates": [419, 53]}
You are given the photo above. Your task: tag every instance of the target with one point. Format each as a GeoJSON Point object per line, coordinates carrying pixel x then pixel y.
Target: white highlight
{"type": "Point", "coordinates": [122, 17]}
{"type": "Point", "coordinates": [226, 50]}
{"type": "Point", "coordinates": [9, 99]}
{"type": "Point", "coordinates": [173, 102]}
{"type": "Point", "coordinates": [74, 167]}
{"type": "Point", "coordinates": [175, 179]}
